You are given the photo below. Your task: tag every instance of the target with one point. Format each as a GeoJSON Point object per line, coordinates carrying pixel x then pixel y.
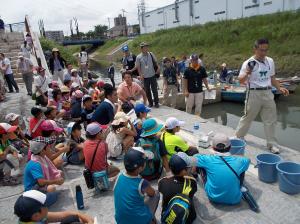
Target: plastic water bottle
{"type": "Point", "coordinates": [79, 198]}
{"type": "Point", "coordinates": [196, 132]}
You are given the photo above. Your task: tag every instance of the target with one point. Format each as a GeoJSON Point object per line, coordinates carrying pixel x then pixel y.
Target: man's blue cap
{"type": "Point", "coordinates": [141, 108]}
{"type": "Point", "coordinates": [125, 48]}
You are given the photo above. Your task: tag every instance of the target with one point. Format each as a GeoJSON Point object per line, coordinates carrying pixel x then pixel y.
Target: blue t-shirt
{"type": "Point", "coordinates": [33, 172]}
{"type": "Point", "coordinates": [129, 200]}
{"type": "Point", "coordinates": [76, 108]}
{"type": "Point", "coordinates": [104, 113]}
{"type": "Point", "coordinates": [222, 184]}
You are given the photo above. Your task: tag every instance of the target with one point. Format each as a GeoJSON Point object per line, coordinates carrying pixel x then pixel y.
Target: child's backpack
{"type": "Point", "coordinates": [178, 208]}
{"type": "Point", "coordinates": [153, 166]}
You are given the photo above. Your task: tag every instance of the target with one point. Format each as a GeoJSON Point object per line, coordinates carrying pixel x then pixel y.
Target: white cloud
{"type": "Point", "coordinates": [57, 14]}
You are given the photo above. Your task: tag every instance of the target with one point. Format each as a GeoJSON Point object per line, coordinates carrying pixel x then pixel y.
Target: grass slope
{"type": "Point", "coordinates": [229, 41]}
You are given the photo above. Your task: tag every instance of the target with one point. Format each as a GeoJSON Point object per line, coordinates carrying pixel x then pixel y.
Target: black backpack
{"type": "Point", "coordinates": [179, 206]}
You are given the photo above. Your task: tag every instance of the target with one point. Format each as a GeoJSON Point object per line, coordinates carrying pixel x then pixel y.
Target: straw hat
{"type": "Point", "coordinates": [55, 50]}
{"type": "Point", "coordinates": [120, 117]}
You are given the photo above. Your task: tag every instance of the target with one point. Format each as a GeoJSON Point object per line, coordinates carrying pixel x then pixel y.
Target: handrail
{"type": "Point", "coordinates": [37, 48]}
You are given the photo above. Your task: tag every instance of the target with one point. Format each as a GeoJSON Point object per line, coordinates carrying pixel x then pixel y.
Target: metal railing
{"type": "Point", "coordinates": [15, 27]}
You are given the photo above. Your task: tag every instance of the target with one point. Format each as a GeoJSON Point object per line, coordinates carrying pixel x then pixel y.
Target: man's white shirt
{"type": "Point", "coordinates": [261, 73]}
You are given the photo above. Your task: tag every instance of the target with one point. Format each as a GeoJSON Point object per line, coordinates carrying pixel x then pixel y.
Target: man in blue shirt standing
{"type": "Point", "coordinates": [220, 183]}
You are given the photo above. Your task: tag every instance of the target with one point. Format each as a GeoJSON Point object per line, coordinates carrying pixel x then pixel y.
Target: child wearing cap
{"type": "Point", "coordinates": [141, 112]}
{"type": "Point", "coordinates": [75, 77]}
{"type": "Point", "coordinates": [31, 207]}
{"type": "Point", "coordinates": [76, 105]}
{"type": "Point", "coordinates": [92, 84]}
{"type": "Point", "coordinates": [135, 199]}
{"type": "Point", "coordinates": [151, 143]}
{"type": "Point", "coordinates": [50, 130]}
{"type": "Point", "coordinates": [40, 173]}
{"type": "Point", "coordinates": [87, 110]}
{"type": "Point", "coordinates": [66, 101]}
{"type": "Point", "coordinates": [9, 156]}
{"type": "Point", "coordinates": [220, 183]}
{"type": "Point", "coordinates": [75, 154]}
{"type": "Point", "coordinates": [122, 134]}
{"type": "Point", "coordinates": [173, 142]}
{"type": "Point", "coordinates": [94, 134]}
{"type": "Point", "coordinates": [173, 185]}
{"type": "Point", "coordinates": [52, 86]}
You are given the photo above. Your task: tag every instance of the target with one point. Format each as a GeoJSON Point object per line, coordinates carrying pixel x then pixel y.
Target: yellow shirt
{"type": "Point", "coordinates": [172, 143]}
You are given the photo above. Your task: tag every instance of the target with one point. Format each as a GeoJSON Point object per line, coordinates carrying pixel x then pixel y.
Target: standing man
{"type": "Point", "coordinates": [147, 67]}
{"type": "Point", "coordinates": [128, 61]}
{"type": "Point", "coordinates": [194, 76]}
{"type": "Point", "coordinates": [2, 28]}
{"type": "Point", "coordinates": [83, 62]}
{"type": "Point", "coordinates": [8, 73]}
{"type": "Point", "coordinates": [259, 74]}
{"type": "Point", "coordinates": [24, 66]}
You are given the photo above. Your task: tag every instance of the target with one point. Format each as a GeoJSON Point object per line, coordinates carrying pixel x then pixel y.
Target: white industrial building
{"type": "Point", "coordinates": [191, 12]}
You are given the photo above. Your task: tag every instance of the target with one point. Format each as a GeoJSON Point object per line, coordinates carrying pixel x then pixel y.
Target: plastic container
{"type": "Point", "coordinates": [79, 198]}
{"type": "Point", "coordinates": [266, 164]}
{"type": "Point", "coordinates": [101, 181]}
{"type": "Point", "coordinates": [289, 177]}
{"type": "Point", "coordinates": [237, 146]}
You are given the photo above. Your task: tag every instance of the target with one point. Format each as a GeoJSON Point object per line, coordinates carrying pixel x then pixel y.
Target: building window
{"type": "Point", "coordinates": [218, 13]}
{"type": "Point", "coordinates": [159, 12]}
{"type": "Point", "coordinates": [197, 1]}
{"type": "Point", "coordinates": [197, 17]}
{"type": "Point", "coordinates": [252, 6]}
{"type": "Point", "coordinates": [268, 3]}
{"type": "Point", "coordinates": [161, 24]}
{"type": "Point", "coordinates": [147, 15]}
{"type": "Point", "coordinates": [176, 21]}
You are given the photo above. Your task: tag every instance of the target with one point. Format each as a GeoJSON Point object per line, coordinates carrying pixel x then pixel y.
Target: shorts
{"type": "Point", "coordinates": [73, 158]}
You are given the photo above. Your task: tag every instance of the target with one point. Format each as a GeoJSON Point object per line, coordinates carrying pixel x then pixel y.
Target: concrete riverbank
{"type": "Point", "coordinates": [276, 207]}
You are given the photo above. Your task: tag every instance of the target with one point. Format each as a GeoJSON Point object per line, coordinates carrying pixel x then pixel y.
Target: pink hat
{"type": "Point", "coordinates": [50, 125]}
{"type": "Point", "coordinates": [7, 128]}
{"type": "Point", "coordinates": [100, 84]}
{"type": "Point", "coordinates": [54, 84]}
{"type": "Point", "coordinates": [78, 94]}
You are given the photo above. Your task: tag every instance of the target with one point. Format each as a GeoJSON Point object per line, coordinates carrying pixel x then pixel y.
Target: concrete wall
{"type": "Point", "coordinates": [191, 12]}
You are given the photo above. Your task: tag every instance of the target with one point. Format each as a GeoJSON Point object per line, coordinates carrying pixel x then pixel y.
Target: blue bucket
{"type": "Point", "coordinates": [266, 164]}
{"type": "Point", "coordinates": [237, 146]}
{"type": "Point", "coordinates": [289, 177]}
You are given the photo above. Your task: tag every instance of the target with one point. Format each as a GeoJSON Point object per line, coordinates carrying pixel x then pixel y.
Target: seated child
{"type": "Point", "coordinates": [92, 84]}
{"type": "Point", "coordinates": [171, 186]}
{"type": "Point", "coordinates": [141, 112]}
{"type": "Point", "coordinates": [35, 122]}
{"type": "Point", "coordinates": [94, 132]}
{"type": "Point", "coordinates": [87, 110]}
{"type": "Point", "coordinates": [9, 156]}
{"type": "Point", "coordinates": [40, 173]}
{"type": "Point", "coordinates": [130, 191]}
{"type": "Point", "coordinates": [31, 207]}
{"type": "Point", "coordinates": [57, 103]}
{"type": "Point", "coordinates": [220, 183]}
{"type": "Point", "coordinates": [66, 101]}
{"type": "Point", "coordinates": [75, 154]}
{"type": "Point", "coordinates": [76, 105]}
{"type": "Point", "coordinates": [50, 113]}
{"type": "Point", "coordinates": [121, 137]}
{"type": "Point", "coordinates": [173, 142]}
{"type": "Point", "coordinates": [52, 86]}
{"type": "Point", "coordinates": [153, 146]}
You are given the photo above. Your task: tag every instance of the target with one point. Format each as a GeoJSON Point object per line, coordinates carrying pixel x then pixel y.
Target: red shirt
{"type": "Point", "coordinates": [100, 161]}
{"type": "Point", "coordinates": [33, 121]}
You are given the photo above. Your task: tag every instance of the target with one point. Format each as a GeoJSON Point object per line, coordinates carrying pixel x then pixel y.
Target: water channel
{"type": "Point", "coordinates": [228, 114]}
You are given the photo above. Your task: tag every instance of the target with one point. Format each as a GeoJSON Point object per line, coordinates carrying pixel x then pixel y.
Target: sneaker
{"type": "Point", "coordinates": [274, 149]}
{"type": "Point", "coordinates": [150, 105]}
{"type": "Point", "coordinates": [157, 105]}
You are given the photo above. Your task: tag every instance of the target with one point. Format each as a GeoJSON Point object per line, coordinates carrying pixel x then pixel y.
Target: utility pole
{"type": "Point", "coordinates": [108, 22]}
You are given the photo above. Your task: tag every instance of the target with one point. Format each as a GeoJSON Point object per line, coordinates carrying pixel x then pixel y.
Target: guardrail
{"type": "Point", "coordinates": [37, 48]}
{"type": "Point", "coordinates": [14, 27]}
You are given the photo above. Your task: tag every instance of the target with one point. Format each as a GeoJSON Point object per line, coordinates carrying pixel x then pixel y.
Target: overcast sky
{"type": "Point", "coordinates": [57, 13]}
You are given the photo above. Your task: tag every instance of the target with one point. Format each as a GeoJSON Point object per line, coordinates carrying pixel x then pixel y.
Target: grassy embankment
{"type": "Point", "coordinates": [227, 41]}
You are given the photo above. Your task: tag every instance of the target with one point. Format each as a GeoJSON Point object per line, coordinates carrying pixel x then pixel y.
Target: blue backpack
{"type": "Point", "coordinates": [154, 166]}
{"type": "Point", "coordinates": [179, 206]}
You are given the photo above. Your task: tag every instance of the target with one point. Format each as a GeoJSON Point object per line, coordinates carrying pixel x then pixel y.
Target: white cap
{"type": "Point", "coordinates": [220, 141]}
{"type": "Point", "coordinates": [20, 55]}
{"type": "Point", "coordinates": [189, 160]}
{"type": "Point", "coordinates": [173, 122]}
{"type": "Point", "coordinates": [36, 195]}
{"type": "Point", "coordinates": [149, 155]}
{"type": "Point", "coordinates": [11, 117]}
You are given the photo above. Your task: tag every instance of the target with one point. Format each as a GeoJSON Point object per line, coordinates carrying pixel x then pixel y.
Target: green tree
{"type": "Point", "coordinates": [100, 30]}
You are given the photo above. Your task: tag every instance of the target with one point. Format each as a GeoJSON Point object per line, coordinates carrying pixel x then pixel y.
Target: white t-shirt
{"type": "Point", "coordinates": [41, 82]}
{"type": "Point", "coordinates": [83, 56]}
{"type": "Point", "coordinates": [77, 80]}
{"type": "Point", "coordinates": [6, 61]}
{"type": "Point", "coordinates": [261, 74]}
